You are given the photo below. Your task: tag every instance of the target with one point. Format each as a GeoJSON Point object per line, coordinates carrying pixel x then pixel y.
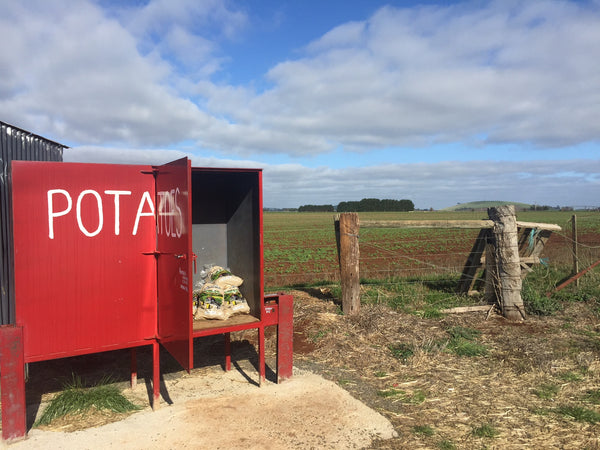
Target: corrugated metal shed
{"type": "Point", "coordinates": [16, 144]}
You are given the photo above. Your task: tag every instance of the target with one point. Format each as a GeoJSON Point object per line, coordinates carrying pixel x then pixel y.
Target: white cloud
{"type": "Point", "coordinates": [484, 72]}
{"type": "Point", "coordinates": [77, 75]}
{"type": "Point", "coordinates": [520, 72]}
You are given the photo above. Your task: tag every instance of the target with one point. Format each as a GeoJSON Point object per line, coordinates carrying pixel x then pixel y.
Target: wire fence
{"type": "Point", "coordinates": [304, 253]}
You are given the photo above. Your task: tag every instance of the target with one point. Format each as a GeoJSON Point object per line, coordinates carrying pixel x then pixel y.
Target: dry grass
{"type": "Point", "coordinates": [404, 366]}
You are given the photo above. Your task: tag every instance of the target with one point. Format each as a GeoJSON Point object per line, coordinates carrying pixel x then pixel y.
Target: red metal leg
{"type": "Point", "coordinates": [133, 368]}
{"type": "Point", "coordinates": [155, 375]}
{"type": "Point", "coordinates": [12, 382]}
{"type": "Point", "coordinates": [261, 355]}
{"type": "Point", "coordinates": [227, 352]}
{"type": "Point", "coordinates": [285, 338]}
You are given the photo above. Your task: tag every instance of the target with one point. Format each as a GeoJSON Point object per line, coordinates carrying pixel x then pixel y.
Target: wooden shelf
{"type": "Point", "coordinates": [206, 327]}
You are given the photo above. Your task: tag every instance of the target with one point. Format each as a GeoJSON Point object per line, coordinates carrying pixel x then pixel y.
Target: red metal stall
{"type": "Point", "coordinates": [105, 258]}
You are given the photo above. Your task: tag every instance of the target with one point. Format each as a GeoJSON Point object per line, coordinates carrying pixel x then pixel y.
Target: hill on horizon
{"type": "Point", "coordinates": [484, 205]}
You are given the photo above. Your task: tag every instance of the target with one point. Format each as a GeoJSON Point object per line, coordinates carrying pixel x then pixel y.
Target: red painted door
{"type": "Point", "coordinates": [85, 274]}
{"type": "Point", "coordinates": [174, 274]}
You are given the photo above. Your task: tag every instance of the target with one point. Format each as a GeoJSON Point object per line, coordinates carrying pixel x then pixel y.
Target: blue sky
{"type": "Point", "coordinates": [437, 102]}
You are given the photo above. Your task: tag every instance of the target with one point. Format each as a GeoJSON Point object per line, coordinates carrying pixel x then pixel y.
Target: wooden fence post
{"type": "Point", "coordinates": [508, 263]}
{"type": "Point", "coordinates": [575, 255]}
{"type": "Point", "coordinates": [347, 228]}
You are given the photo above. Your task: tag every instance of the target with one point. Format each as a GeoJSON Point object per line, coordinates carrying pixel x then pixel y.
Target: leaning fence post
{"type": "Point", "coordinates": [347, 228]}
{"type": "Point", "coordinates": [508, 263]}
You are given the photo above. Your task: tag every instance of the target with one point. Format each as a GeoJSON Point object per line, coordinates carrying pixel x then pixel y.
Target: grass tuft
{"type": "Point", "coordinates": [570, 376]}
{"type": "Point", "coordinates": [469, 334]}
{"type": "Point", "coordinates": [485, 431]}
{"type": "Point", "coordinates": [424, 430]}
{"type": "Point", "coordinates": [547, 391]}
{"type": "Point", "coordinates": [462, 342]}
{"type": "Point", "coordinates": [593, 396]}
{"type": "Point", "coordinates": [446, 445]}
{"type": "Point", "coordinates": [390, 393]}
{"type": "Point", "coordinates": [579, 414]}
{"type": "Point", "coordinates": [75, 399]}
{"type": "Point", "coordinates": [401, 351]}
{"type": "Point", "coordinates": [537, 304]}
{"type": "Point", "coordinates": [415, 398]}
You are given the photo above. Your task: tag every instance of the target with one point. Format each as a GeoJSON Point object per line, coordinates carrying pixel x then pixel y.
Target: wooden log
{"type": "Point", "coordinates": [473, 264]}
{"type": "Point", "coordinates": [461, 224]}
{"type": "Point", "coordinates": [464, 309]}
{"type": "Point", "coordinates": [507, 260]}
{"type": "Point", "coordinates": [539, 226]}
{"type": "Point", "coordinates": [349, 262]}
{"type": "Point", "coordinates": [468, 224]}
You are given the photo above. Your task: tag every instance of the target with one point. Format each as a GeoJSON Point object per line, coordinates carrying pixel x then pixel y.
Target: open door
{"type": "Point", "coordinates": [174, 244]}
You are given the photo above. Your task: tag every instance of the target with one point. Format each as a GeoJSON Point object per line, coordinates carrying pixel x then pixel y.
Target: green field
{"type": "Point", "coordinates": [300, 248]}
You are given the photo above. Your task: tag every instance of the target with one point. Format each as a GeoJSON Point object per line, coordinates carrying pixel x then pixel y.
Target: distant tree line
{"type": "Point", "coordinates": [374, 204]}
{"type": "Point", "coordinates": [316, 208]}
{"type": "Point", "coordinates": [364, 205]}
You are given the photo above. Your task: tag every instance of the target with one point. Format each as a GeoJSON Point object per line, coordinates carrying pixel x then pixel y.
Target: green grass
{"type": "Point", "coordinates": [469, 334]}
{"type": "Point", "coordinates": [446, 445]}
{"type": "Point", "coordinates": [424, 430]}
{"type": "Point", "coordinates": [570, 376]}
{"type": "Point", "coordinates": [467, 348]}
{"type": "Point", "coordinates": [415, 398]}
{"type": "Point", "coordinates": [485, 431]}
{"type": "Point", "coordinates": [390, 393]}
{"type": "Point", "coordinates": [579, 414]}
{"type": "Point", "coordinates": [547, 391]}
{"type": "Point", "coordinates": [462, 342]}
{"type": "Point", "coordinates": [402, 351]}
{"type": "Point", "coordinates": [319, 335]}
{"type": "Point", "coordinates": [537, 303]}
{"type": "Point", "coordinates": [425, 296]}
{"type": "Point", "coordinates": [76, 399]}
{"type": "Point", "coordinates": [593, 396]}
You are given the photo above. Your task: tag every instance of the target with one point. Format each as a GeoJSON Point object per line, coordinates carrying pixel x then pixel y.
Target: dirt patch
{"type": "Point", "coordinates": [223, 410]}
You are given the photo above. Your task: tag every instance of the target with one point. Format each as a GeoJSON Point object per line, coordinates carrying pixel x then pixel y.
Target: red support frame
{"type": "Point", "coordinates": [155, 375]}
{"type": "Point", "coordinates": [279, 310]}
{"type": "Point", "coordinates": [285, 338]}
{"type": "Point", "coordinates": [12, 366]}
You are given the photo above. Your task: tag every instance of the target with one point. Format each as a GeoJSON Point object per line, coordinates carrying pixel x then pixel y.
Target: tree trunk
{"type": "Point", "coordinates": [508, 263]}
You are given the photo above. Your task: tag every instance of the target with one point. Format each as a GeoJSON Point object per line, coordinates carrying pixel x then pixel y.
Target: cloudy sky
{"type": "Point", "coordinates": [437, 102]}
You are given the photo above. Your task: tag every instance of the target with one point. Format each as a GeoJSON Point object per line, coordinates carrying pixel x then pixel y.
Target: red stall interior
{"type": "Point", "coordinates": [108, 256]}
